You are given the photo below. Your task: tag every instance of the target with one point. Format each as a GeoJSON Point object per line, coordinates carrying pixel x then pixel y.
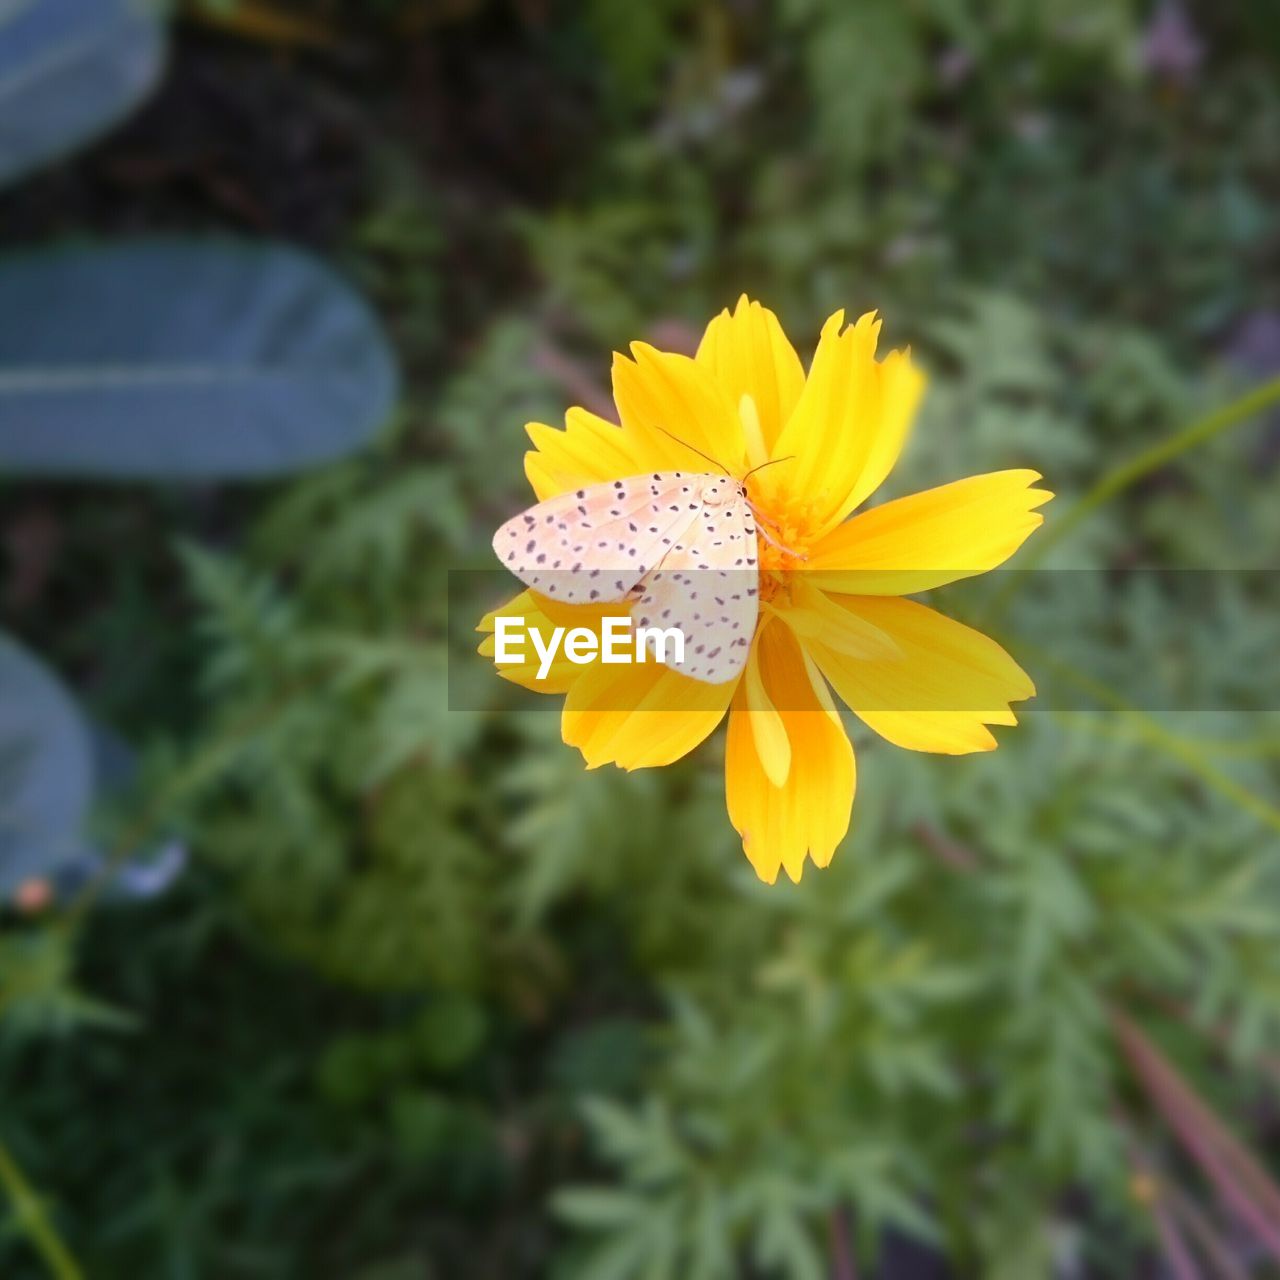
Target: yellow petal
{"type": "Point", "coordinates": [921, 541]}
{"type": "Point", "coordinates": [770, 733]}
{"type": "Point", "coordinates": [543, 615]}
{"type": "Point", "coordinates": [951, 682]}
{"type": "Point", "coordinates": [635, 716]}
{"type": "Point", "coordinates": [748, 354]}
{"type": "Point", "coordinates": [813, 615]}
{"type": "Point", "coordinates": [588, 451]}
{"type": "Point", "coordinates": [848, 427]}
{"type": "Point", "coordinates": [639, 716]}
{"type": "Point", "coordinates": [809, 814]}
{"type": "Point", "coordinates": [681, 412]}
{"type": "Point", "coordinates": [901, 385]}
{"type": "Point", "coordinates": [755, 449]}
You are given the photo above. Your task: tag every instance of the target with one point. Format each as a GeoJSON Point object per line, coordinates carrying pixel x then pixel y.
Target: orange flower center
{"type": "Point", "coordinates": [786, 525]}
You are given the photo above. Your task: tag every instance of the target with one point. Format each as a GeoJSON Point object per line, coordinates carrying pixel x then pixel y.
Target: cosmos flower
{"type": "Point", "coordinates": [833, 579]}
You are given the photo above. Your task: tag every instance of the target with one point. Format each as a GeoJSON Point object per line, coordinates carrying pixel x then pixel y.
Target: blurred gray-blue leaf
{"type": "Point", "coordinates": [131, 880]}
{"type": "Point", "coordinates": [183, 360]}
{"type": "Point", "coordinates": [46, 772]}
{"type": "Point", "coordinates": [70, 69]}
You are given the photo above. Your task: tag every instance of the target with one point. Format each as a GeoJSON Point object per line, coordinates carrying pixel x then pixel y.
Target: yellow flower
{"type": "Point", "coordinates": [832, 614]}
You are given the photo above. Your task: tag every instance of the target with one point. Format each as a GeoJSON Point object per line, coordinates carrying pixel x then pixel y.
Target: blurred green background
{"type": "Point", "coordinates": [304, 974]}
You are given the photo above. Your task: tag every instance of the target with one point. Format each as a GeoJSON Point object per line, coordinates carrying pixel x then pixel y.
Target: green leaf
{"type": "Point", "coordinates": [182, 360]}
{"type": "Point", "coordinates": [620, 1258]}
{"type": "Point", "coordinates": [37, 993]}
{"type": "Point", "coordinates": [616, 1129]}
{"type": "Point", "coordinates": [449, 1032]}
{"type": "Point", "coordinates": [46, 770]}
{"type": "Point", "coordinates": [70, 69]}
{"type": "Point", "coordinates": [783, 1241]}
{"type": "Point", "coordinates": [597, 1208]}
{"type": "Point", "coordinates": [711, 1246]}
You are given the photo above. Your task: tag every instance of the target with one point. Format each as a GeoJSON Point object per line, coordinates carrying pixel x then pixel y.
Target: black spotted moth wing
{"type": "Point", "coordinates": [681, 545]}
{"type": "Point", "coordinates": [707, 586]}
{"type": "Point", "coordinates": [593, 545]}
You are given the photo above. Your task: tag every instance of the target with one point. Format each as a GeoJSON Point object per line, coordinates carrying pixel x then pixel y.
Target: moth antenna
{"type": "Point", "coordinates": [696, 450]}
{"type": "Point", "coordinates": [789, 458]}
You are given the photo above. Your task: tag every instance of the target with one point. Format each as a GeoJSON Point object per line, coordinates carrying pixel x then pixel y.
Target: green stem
{"type": "Point", "coordinates": [1128, 473]}
{"type": "Point", "coordinates": [203, 765]}
{"type": "Point", "coordinates": [1149, 729]}
{"type": "Point", "coordinates": [31, 1217]}
{"type": "Point", "coordinates": [1257, 748]}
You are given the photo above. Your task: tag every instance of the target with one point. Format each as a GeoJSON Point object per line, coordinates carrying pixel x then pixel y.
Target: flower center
{"type": "Point", "coordinates": [785, 522]}
{"type": "Point", "coordinates": [786, 525]}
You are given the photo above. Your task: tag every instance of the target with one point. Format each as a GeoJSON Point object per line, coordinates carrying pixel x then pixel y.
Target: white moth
{"type": "Point", "coordinates": [679, 546]}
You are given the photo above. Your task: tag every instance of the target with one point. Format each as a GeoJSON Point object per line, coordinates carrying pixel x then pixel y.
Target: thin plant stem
{"type": "Point", "coordinates": [205, 764]}
{"type": "Point", "coordinates": [1244, 1185]}
{"type": "Point", "coordinates": [843, 1266]}
{"type": "Point", "coordinates": [1149, 729]}
{"type": "Point", "coordinates": [1126, 474]}
{"type": "Point", "coordinates": [1200, 1230]}
{"type": "Point", "coordinates": [1260, 747]}
{"type": "Point", "coordinates": [951, 853]}
{"type": "Point", "coordinates": [1173, 1246]}
{"type": "Point", "coordinates": [32, 1219]}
